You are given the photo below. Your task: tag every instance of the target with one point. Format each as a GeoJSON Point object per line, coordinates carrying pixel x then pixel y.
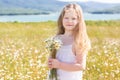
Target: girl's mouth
{"type": "Point", "coordinates": [69, 25]}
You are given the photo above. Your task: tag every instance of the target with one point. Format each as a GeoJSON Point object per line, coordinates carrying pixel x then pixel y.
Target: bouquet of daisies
{"type": "Point", "coordinates": [52, 45]}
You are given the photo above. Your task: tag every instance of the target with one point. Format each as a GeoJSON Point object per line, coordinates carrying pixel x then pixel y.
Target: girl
{"type": "Point", "coordinates": [71, 57]}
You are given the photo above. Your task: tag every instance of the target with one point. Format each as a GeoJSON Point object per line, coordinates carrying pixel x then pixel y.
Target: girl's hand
{"type": "Point", "coordinates": [53, 63]}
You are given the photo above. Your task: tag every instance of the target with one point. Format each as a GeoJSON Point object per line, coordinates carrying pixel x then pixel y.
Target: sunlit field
{"type": "Point", "coordinates": [23, 55]}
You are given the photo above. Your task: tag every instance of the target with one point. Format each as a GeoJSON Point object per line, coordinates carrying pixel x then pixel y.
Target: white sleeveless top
{"type": "Point", "coordinates": [65, 54]}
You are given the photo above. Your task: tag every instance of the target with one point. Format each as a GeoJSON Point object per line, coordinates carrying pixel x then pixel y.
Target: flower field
{"type": "Point", "coordinates": [23, 55]}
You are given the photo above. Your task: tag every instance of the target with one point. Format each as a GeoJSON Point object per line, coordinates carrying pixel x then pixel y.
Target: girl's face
{"type": "Point", "coordinates": [70, 20]}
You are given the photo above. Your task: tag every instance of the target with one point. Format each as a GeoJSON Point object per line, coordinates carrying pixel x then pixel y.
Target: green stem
{"type": "Point", "coordinates": [53, 72]}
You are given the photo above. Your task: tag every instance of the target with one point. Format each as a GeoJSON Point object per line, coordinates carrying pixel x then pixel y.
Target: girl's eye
{"type": "Point", "coordinates": [66, 17]}
{"type": "Point", "coordinates": [73, 18]}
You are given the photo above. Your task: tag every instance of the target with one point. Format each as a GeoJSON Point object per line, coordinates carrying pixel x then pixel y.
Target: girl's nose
{"type": "Point", "coordinates": [70, 20]}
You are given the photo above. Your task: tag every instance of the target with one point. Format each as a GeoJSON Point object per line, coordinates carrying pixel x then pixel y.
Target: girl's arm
{"type": "Point", "coordinates": [79, 65]}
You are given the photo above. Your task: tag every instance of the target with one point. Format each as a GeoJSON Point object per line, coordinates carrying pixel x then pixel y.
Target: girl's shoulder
{"type": "Point", "coordinates": [59, 36]}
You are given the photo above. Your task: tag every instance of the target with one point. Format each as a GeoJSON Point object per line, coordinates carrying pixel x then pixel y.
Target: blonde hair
{"type": "Point", "coordinates": [81, 40]}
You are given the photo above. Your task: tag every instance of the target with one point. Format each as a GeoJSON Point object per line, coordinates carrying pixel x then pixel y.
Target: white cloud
{"type": "Point", "coordinates": [73, 0]}
{"type": "Point", "coordinates": [105, 1]}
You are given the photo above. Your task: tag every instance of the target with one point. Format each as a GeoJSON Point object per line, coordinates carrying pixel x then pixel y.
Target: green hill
{"type": "Point", "coordinates": [26, 7]}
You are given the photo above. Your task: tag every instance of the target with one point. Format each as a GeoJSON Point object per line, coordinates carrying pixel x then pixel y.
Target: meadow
{"type": "Point", "coordinates": [23, 55]}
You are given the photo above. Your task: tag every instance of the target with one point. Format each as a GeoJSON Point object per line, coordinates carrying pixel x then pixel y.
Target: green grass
{"type": "Point", "coordinates": [23, 55]}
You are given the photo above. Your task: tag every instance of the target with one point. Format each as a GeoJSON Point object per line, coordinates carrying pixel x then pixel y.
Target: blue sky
{"type": "Point", "coordinates": [105, 1]}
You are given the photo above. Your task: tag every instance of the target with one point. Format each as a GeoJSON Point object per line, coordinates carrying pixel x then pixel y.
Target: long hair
{"type": "Point", "coordinates": [81, 40]}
